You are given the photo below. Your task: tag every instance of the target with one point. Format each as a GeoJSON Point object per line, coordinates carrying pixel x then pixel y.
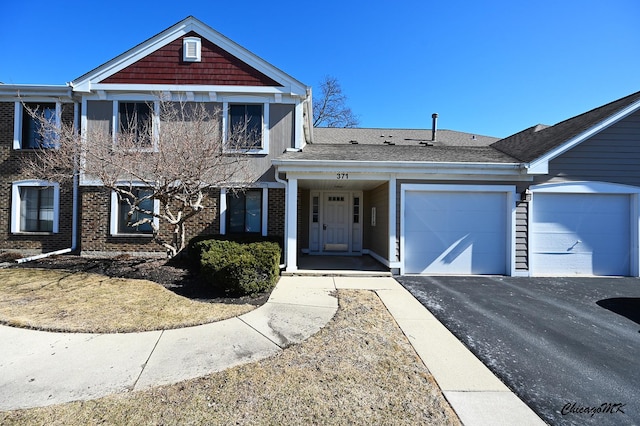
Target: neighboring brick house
{"type": "Point", "coordinates": [550, 200]}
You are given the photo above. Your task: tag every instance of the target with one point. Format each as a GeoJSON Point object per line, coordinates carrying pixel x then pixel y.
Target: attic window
{"type": "Point", "coordinates": [191, 49]}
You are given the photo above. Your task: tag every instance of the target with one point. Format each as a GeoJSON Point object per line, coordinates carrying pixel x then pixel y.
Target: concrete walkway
{"type": "Point", "coordinates": [40, 368]}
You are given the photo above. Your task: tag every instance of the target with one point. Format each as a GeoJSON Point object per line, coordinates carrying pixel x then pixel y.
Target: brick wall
{"type": "Point", "coordinates": [10, 171]}
{"type": "Point", "coordinates": [276, 213]}
{"type": "Point", "coordinates": [96, 219]}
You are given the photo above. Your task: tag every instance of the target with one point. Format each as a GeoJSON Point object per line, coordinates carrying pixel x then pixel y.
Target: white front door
{"type": "Point", "coordinates": [335, 222]}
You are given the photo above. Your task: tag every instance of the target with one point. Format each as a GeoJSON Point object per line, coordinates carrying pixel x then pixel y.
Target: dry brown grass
{"type": "Point", "coordinates": [360, 369]}
{"type": "Point", "coordinates": [56, 300]}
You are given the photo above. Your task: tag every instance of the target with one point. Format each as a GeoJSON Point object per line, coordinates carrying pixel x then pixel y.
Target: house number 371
{"type": "Point", "coordinates": [341, 176]}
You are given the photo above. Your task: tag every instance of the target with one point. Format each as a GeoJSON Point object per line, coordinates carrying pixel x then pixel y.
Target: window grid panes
{"type": "Point", "coordinates": [245, 123]}
{"type": "Point", "coordinates": [356, 210]}
{"type": "Point", "coordinates": [244, 212]}
{"type": "Point", "coordinates": [36, 209]}
{"type": "Point", "coordinates": [315, 209]}
{"type": "Point", "coordinates": [125, 222]}
{"type": "Point", "coordinates": [135, 119]}
{"type": "Point", "coordinates": [32, 136]}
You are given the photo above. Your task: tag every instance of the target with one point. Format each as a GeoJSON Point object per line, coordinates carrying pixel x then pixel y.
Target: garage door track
{"type": "Point", "coordinates": [568, 347]}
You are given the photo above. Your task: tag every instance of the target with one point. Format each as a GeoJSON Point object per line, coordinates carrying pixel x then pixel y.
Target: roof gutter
{"type": "Point", "coordinates": [325, 165]}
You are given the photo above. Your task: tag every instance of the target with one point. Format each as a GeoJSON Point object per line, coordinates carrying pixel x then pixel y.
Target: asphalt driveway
{"type": "Point", "coordinates": [568, 347]}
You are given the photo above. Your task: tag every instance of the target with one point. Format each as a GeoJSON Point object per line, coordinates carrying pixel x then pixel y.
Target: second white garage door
{"type": "Point", "coordinates": [580, 234]}
{"type": "Point", "coordinates": [454, 232]}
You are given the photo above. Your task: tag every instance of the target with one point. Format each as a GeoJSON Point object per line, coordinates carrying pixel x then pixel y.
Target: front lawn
{"type": "Point", "coordinates": [59, 300]}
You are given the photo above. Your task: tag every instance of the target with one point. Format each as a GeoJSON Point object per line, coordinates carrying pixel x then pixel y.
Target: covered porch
{"type": "Point", "coordinates": [344, 218]}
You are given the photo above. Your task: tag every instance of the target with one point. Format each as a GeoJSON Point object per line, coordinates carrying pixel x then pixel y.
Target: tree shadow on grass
{"type": "Point", "coordinates": [628, 307]}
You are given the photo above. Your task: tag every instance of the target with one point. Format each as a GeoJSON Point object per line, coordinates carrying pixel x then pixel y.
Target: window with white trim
{"type": "Point", "coordinates": [35, 207]}
{"type": "Point", "coordinates": [28, 131]}
{"type": "Point", "coordinates": [245, 126]}
{"type": "Point", "coordinates": [244, 212]}
{"type": "Point", "coordinates": [124, 221]}
{"type": "Point", "coordinates": [136, 120]}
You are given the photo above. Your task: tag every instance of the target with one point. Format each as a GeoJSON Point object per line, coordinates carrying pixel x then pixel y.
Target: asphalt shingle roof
{"type": "Point", "coordinates": [409, 137]}
{"type": "Point", "coordinates": [362, 144]}
{"type": "Point", "coordinates": [363, 152]}
{"type": "Point", "coordinates": [535, 141]}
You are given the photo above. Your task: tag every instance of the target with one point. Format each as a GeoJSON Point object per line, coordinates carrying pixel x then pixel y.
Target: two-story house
{"type": "Point", "coordinates": [550, 200]}
{"type": "Point", "coordinates": [188, 62]}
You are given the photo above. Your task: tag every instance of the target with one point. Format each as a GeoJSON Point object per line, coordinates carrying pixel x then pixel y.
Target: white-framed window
{"type": "Point", "coordinates": [244, 211]}
{"type": "Point", "coordinates": [245, 126]}
{"type": "Point", "coordinates": [35, 207]}
{"type": "Point", "coordinates": [140, 119]}
{"type": "Point", "coordinates": [121, 222]}
{"type": "Point", "coordinates": [27, 132]}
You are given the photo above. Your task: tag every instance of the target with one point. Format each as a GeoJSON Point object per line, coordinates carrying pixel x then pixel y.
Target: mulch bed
{"type": "Point", "coordinates": [176, 275]}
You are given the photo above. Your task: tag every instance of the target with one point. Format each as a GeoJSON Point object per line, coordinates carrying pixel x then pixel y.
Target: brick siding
{"type": "Point", "coordinates": [28, 243]}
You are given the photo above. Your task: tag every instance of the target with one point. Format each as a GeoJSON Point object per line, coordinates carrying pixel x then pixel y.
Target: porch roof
{"type": "Point", "coordinates": [394, 153]}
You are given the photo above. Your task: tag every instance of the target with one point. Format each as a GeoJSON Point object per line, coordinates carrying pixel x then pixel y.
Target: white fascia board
{"type": "Point", "coordinates": [400, 167]}
{"type": "Point", "coordinates": [201, 89]}
{"type": "Point", "coordinates": [180, 29]}
{"type": "Point", "coordinates": [584, 187]}
{"type": "Point", "coordinates": [541, 164]}
{"type": "Point", "coordinates": [17, 92]}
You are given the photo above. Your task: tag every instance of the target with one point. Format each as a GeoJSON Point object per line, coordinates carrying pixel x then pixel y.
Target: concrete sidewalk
{"type": "Point", "coordinates": [40, 368]}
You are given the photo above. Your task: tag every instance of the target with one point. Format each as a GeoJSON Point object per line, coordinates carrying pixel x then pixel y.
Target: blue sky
{"type": "Point", "coordinates": [487, 67]}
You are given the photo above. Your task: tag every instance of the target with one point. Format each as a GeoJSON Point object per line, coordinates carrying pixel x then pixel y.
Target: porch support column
{"type": "Point", "coordinates": [291, 222]}
{"type": "Point", "coordinates": [392, 221]}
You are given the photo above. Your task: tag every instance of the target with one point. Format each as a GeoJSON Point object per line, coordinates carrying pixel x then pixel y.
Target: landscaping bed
{"type": "Point", "coordinates": [176, 275]}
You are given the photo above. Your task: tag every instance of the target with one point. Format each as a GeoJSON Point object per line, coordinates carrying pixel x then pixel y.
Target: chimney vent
{"type": "Point", "coordinates": [434, 125]}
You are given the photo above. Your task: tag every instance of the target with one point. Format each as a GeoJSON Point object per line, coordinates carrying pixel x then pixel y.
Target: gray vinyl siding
{"type": "Point", "coordinates": [281, 137]}
{"type": "Point", "coordinates": [376, 238]}
{"type": "Point", "coordinates": [612, 155]}
{"type": "Point", "coordinates": [522, 237]}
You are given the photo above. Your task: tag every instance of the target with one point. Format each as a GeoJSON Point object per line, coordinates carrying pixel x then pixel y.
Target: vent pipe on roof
{"type": "Point", "coordinates": [434, 125]}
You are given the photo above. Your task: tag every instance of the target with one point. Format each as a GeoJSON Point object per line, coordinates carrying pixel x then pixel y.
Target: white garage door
{"type": "Point", "coordinates": [455, 232]}
{"type": "Point", "coordinates": [587, 234]}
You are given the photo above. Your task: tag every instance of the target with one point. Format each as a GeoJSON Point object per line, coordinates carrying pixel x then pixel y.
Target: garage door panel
{"type": "Point", "coordinates": [585, 234]}
{"type": "Point", "coordinates": [455, 232]}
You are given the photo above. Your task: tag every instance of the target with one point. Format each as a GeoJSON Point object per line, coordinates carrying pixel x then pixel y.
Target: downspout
{"type": "Point", "coordinates": [286, 188]}
{"type": "Point", "coordinates": [74, 213]}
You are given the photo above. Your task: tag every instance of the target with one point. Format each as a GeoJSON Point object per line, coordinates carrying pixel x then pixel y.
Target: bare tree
{"type": "Point", "coordinates": [329, 109]}
{"type": "Point", "coordinates": [175, 157]}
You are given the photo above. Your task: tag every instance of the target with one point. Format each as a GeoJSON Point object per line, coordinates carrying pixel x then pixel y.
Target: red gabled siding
{"type": "Point", "coordinates": [165, 66]}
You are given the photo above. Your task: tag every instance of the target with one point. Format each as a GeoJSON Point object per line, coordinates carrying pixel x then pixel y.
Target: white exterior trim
{"type": "Point", "coordinates": [595, 187]}
{"type": "Point", "coordinates": [19, 113]}
{"type": "Point", "coordinates": [113, 217]}
{"type": "Point", "coordinates": [16, 204]}
{"type": "Point", "coordinates": [247, 100]}
{"type": "Point", "coordinates": [585, 187]}
{"type": "Point", "coordinates": [372, 170]}
{"type": "Point", "coordinates": [392, 255]}
{"type": "Point", "coordinates": [223, 211]}
{"type": "Point", "coordinates": [291, 224]}
{"type": "Point", "coordinates": [508, 190]}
